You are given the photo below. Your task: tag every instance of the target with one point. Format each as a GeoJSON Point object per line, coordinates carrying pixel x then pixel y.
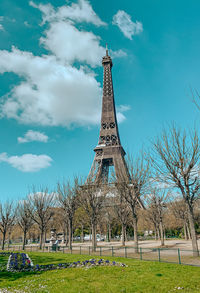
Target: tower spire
{"type": "Point", "coordinates": [109, 151]}
{"type": "Point", "coordinates": [106, 49]}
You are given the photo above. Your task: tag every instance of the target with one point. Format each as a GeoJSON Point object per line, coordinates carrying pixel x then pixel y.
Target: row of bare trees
{"type": "Point", "coordinates": [165, 179]}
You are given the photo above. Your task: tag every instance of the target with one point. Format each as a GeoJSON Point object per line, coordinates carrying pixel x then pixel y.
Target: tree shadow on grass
{"type": "Point", "coordinates": [47, 259]}
{"type": "Point", "coordinates": [56, 259]}
{"type": "Point", "coordinates": [9, 276]}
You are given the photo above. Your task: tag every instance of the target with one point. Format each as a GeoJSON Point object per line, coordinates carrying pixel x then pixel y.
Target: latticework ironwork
{"type": "Point", "coordinates": [109, 151]}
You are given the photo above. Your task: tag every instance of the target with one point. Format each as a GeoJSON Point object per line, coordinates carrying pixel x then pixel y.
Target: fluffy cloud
{"type": "Point", "coordinates": [126, 25]}
{"type": "Point", "coordinates": [27, 162]}
{"type": "Point", "coordinates": [117, 54]}
{"type": "Point", "coordinates": [52, 94]}
{"type": "Point", "coordinates": [32, 135]}
{"type": "Point", "coordinates": [69, 44]}
{"type": "Point", "coordinates": [53, 91]}
{"type": "Point", "coordinates": [120, 110]}
{"type": "Point", "coordinates": [80, 12]}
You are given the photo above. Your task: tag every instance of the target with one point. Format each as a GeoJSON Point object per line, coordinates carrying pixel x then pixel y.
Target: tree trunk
{"type": "Point", "coordinates": [70, 233]}
{"type": "Point", "coordinates": [158, 231]}
{"type": "Point", "coordinates": [185, 231]}
{"type": "Point", "coordinates": [109, 232]}
{"type": "Point", "coordinates": [24, 240]}
{"type": "Point", "coordinates": [66, 234]}
{"type": "Point", "coordinates": [94, 241]}
{"type": "Point", "coordinates": [82, 233]}
{"type": "Point", "coordinates": [45, 236]}
{"type": "Point", "coordinates": [192, 230]}
{"type": "Point", "coordinates": [90, 234]}
{"type": "Point", "coordinates": [155, 231]}
{"type": "Point", "coordinates": [123, 234]}
{"type": "Point", "coordinates": [41, 238]}
{"type": "Point", "coordinates": [9, 234]}
{"type": "Point", "coordinates": [164, 233]}
{"type": "Point", "coordinates": [135, 232]}
{"type": "Point", "coordinates": [3, 240]}
{"type": "Point", "coordinates": [100, 229]}
{"type": "Point", "coordinates": [188, 231]}
{"type": "Point", "coordinates": [161, 234]}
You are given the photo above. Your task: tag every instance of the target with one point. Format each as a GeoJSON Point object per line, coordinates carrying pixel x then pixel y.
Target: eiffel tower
{"type": "Point", "coordinates": [109, 152]}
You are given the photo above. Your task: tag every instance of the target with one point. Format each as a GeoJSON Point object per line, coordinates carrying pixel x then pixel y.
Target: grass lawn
{"type": "Point", "coordinates": [139, 276]}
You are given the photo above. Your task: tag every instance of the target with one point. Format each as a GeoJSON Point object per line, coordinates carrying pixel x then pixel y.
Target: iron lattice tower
{"type": "Point", "coordinates": [109, 151]}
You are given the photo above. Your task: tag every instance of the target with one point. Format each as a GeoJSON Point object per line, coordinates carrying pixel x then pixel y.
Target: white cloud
{"type": "Point", "coordinates": [118, 53]}
{"type": "Point", "coordinates": [70, 44]}
{"type": "Point", "coordinates": [80, 12]}
{"type": "Point", "coordinates": [32, 135]}
{"type": "Point", "coordinates": [27, 162]}
{"type": "Point", "coordinates": [126, 25]}
{"type": "Point", "coordinates": [51, 94]}
{"type": "Point", "coordinates": [120, 110]}
{"type": "Point", "coordinates": [123, 108]}
{"type": "Point", "coordinates": [52, 91]}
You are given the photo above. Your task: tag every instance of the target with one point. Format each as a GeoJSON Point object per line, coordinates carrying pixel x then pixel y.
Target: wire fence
{"type": "Point", "coordinates": [175, 255]}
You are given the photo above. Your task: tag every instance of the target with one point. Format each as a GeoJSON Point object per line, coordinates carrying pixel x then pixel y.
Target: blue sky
{"type": "Point", "coordinates": [51, 80]}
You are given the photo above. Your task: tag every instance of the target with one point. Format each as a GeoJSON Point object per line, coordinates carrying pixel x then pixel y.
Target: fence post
{"type": "Point", "coordinates": [159, 254]}
{"type": "Point", "coordinates": [125, 251]}
{"type": "Point", "coordinates": [179, 256]}
{"type": "Point", "coordinates": [89, 250]}
{"type": "Point", "coordinates": [112, 251]}
{"type": "Point", "coordinates": [100, 251]}
{"type": "Point", "coordinates": [140, 253]}
{"type": "Point", "coordinates": [80, 249]}
{"type": "Point", "coordinates": [71, 249]}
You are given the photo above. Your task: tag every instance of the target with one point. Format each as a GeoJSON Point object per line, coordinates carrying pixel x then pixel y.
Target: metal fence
{"type": "Point", "coordinates": [175, 255]}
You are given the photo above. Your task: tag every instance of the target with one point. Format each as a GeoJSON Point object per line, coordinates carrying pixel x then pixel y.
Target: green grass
{"type": "Point", "coordinates": [3, 261]}
{"type": "Point", "coordinates": [139, 276]}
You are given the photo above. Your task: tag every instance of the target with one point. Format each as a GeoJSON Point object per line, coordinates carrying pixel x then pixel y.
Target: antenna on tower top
{"type": "Point", "coordinates": [106, 49]}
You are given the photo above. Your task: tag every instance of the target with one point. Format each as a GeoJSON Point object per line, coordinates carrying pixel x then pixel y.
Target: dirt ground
{"type": "Point", "coordinates": [169, 243]}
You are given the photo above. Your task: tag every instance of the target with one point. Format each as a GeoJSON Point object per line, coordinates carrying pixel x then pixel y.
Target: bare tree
{"type": "Point", "coordinates": [176, 162]}
{"type": "Point", "coordinates": [133, 188]}
{"type": "Point", "coordinates": [67, 195]}
{"type": "Point", "coordinates": [81, 220]}
{"type": "Point", "coordinates": [91, 198]}
{"type": "Point", "coordinates": [41, 210]}
{"type": "Point", "coordinates": [63, 224]}
{"type": "Point", "coordinates": [24, 218]}
{"type": "Point", "coordinates": [157, 200]}
{"type": "Point", "coordinates": [7, 217]}
{"type": "Point", "coordinates": [151, 216]}
{"type": "Point", "coordinates": [123, 212]}
{"type": "Point", "coordinates": [108, 216]}
{"type": "Point", "coordinates": [179, 210]}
